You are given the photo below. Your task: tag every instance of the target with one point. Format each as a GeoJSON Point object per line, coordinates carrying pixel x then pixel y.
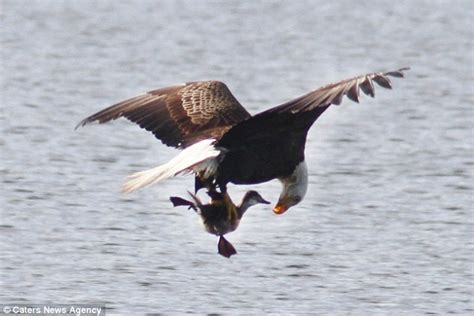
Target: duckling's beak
{"type": "Point", "coordinates": [263, 201]}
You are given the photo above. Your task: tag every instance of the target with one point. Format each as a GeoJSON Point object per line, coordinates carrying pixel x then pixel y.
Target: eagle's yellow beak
{"type": "Point", "coordinates": [280, 208]}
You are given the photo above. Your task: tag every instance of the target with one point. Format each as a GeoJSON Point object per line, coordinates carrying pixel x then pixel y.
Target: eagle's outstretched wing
{"type": "Point", "coordinates": [333, 93]}
{"type": "Point", "coordinates": [300, 113]}
{"type": "Point", "coordinates": [179, 115]}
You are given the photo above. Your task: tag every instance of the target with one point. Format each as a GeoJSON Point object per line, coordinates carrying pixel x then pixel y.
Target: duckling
{"type": "Point", "coordinates": [221, 215]}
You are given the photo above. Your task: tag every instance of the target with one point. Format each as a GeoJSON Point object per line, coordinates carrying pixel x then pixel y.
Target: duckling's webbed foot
{"type": "Point", "coordinates": [225, 248]}
{"type": "Point", "coordinates": [177, 201]}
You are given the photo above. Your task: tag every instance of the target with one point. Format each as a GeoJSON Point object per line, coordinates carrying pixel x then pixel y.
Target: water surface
{"type": "Point", "coordinates": [386, 227]}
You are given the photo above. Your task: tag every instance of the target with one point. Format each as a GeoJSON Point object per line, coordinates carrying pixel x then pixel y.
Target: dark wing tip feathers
{"type": "Point", "coordinates": [353, 93]}
{"type": "Point", "coordinates": [398, 73]}
{"type": "Point", "coordinates": [118, 110]}
{"type": "Point", "coordinates": [365, 83]}
{"type": "Point", "coordinates": [367, 87]}
{"type": "Point", "coordinates": [83, 123]}
{"type": "Point", "coordinates": [96, 118]}
{"type": "Point", "coordinates": [334, 93]}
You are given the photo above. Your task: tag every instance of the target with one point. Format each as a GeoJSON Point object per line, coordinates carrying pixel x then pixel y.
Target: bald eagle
{"type": "Point", "coordinates": [221, 142]}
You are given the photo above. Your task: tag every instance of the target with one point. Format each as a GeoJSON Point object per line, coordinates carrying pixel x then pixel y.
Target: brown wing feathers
{"type": "Point", "coordinates": [334, 93]}
{"type": "Point", "coordinates": [179, 115]}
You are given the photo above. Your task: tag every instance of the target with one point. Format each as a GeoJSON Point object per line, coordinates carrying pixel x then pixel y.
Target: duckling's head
{"type": "Point", "coordinates": [251, 198]}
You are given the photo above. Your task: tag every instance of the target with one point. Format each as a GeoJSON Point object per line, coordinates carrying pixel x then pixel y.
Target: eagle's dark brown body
{"type": "Point", "coordinates": [272, 153]}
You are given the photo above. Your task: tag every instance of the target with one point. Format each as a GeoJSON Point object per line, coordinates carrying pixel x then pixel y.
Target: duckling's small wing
{"type": "Point", "coordinates": [225, 248]}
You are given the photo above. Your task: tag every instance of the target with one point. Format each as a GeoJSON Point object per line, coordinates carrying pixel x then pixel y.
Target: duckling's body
{"type": "Point", "coordinates": [221, 215]}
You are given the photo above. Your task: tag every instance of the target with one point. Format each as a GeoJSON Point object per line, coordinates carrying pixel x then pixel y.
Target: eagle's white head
{"type": "Point", "coordinates": [294, 189]}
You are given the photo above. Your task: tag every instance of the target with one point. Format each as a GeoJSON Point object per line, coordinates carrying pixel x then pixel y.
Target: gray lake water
{"type": "Point", "coordinates": [386, 227]}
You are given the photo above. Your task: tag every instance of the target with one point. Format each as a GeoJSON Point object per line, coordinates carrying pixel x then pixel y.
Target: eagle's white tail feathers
{"type": "Point", "coordinates": [198, 157]}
